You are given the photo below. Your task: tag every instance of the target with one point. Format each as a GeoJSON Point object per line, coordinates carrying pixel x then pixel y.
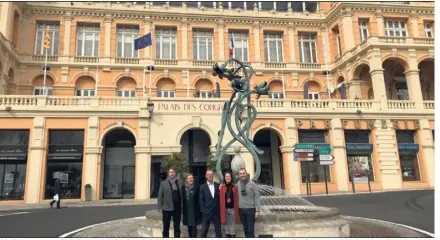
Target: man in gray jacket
{"type": "Point", "coordinates": [248, 203]}
{"type": "Point", "coordinates": [169, 201]}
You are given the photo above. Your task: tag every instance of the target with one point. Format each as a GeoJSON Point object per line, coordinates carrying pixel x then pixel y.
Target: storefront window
{"type": "Point", "coordinates": [13, 159]}
{"type": "Point", "coordinates": [65, 160]}
{"type": "Point", "coordinates": [316, 170]}
{"type": "Point", "coordinates": [408, 150]}
{"type": "Point", "coordinates": [358, 148]}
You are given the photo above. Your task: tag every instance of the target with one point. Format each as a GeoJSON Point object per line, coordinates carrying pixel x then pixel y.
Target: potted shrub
{"type": "Point", "coordinates": [175, 161]}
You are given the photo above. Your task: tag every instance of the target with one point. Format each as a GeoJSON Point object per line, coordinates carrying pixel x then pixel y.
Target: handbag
{"type": "Point", "coordinates": [56, 197]}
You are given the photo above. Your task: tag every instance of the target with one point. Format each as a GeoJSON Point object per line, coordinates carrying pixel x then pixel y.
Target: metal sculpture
{"type": "Point", "coordinates": [242, 92]}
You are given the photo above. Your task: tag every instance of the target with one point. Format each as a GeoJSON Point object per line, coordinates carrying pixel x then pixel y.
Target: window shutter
{"type": "Point", "coordinates": [306, 90]}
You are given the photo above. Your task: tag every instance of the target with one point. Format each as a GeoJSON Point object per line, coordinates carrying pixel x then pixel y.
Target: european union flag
{"type": "Point", "coordinates": [143, 42]}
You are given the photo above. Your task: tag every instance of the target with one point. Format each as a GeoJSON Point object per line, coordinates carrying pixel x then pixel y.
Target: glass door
{"type": "Point", "coordinates": [128, 181]}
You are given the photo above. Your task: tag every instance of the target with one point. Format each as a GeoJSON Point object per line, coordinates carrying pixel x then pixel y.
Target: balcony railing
{"type": "Point", "coordinates": [41, 58]}
{"type": "Point", "coordinates": [424, 41]}
{"type": "Point", "coordinates": [275, 65]}
{"type": "Point", "coordinates": [203, 63]}
{"type": "Point", "coordinates": [133, 104]}
{"type": "Point", "coordinates": [122, 60]}
{"type": "Point", "coordinates": [393, 40]}
{"type": "Point", "coordinates": [310, 66]}
{"type": "Point", "coordinates": [165, 62]}
{"type": "Point", "coordinates": [81, 59]}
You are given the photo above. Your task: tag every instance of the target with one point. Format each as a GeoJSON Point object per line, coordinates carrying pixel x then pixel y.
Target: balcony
{"type": "Point", "coordinates": [275, 65]}
{"type": "Point", "coordinates": [309, 66]}
{"type": "Point", "coordinates": [203, 63]}
{"type": "Point", "coordinates": [67, 105]}
{"type": "Point", "coordinates": [123, 60]}
{"type": "Point", "coordinates": [80, 59]}
{"type": "Point", "coordinates": [393, 40]}
{"type": "Point", "coordinates": [41, 58]}
{"type": "Point", "coordinates": [166, 62]}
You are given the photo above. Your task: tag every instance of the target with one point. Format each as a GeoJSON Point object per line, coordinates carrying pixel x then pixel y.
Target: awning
{"type": "Point", "coordinates": [64, 156]}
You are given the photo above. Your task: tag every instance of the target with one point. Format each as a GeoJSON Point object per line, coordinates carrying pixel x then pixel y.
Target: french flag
{"type": "Point", "coordinates": [231, 45]}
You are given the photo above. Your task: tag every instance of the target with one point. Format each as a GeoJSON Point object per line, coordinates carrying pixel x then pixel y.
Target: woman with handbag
{"type": "Point", "coordinates": [191, 209]}
{"type": "Point", "coordinates": [229, 205]}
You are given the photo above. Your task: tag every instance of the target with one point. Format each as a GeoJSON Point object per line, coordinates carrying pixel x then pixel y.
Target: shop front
{"type": "Point", "coordinates": [65, 161]}
{"type": "Point", "coordinates": [408, 155]}
{"type": "Point", "coordinates": [359, 149]}
{"type": "Point", "coordinates": [13, 162]}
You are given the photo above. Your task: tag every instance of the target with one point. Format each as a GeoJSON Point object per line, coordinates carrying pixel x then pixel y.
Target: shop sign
{"type": "Point", "coordinates": [408, 147]}
{"type": "Point", "coordinates": [359, 147]}
{"type": "Point", "coordinates": [13, 149]}
{"type": "Point", "coordinates": [60, 149]}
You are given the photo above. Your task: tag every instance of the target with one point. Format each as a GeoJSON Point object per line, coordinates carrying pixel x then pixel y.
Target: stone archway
{"type": "Point", "coordinates": [196, 144]}
{"type": "Point", "coordinates": [361, 85]}
{"type": "Point", "coordinates": [395, 79]}
{"type": "Point", "coordinates": [165, 87]}
{"type": "Point", "coordinates": [272, 169]}
{"type": "Point", "coordinates": [427, 76]}
{"type": "Point", "coordinates": [118, 166]}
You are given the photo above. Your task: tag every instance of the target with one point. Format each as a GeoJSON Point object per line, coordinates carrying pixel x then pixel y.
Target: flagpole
{"type": "Point", "coordinates": [45, 65]}
{"type": "Point", "coordinates": [151, 57]}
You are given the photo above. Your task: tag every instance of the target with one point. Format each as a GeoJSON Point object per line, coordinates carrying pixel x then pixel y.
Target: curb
{"type": "Point", "coordinates": [359, 193]}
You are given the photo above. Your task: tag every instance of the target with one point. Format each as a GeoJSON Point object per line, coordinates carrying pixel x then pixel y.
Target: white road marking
{"type": "Point", "coordinates": [397, 224]}
{"type": "Point", "coordinates": [9, 214]}
{"type": "Point", "coordinates": [94, 225]}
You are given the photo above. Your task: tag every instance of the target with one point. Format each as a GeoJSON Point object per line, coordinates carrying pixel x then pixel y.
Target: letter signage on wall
{"type": "Point", "coordinates": [13, 152]}
{"type": "Point", "coordinates": [408, 147]}
{"type": "Point", "coordinates": [359, 147]}
{"type": "Point", "coordinates": [65, 152]}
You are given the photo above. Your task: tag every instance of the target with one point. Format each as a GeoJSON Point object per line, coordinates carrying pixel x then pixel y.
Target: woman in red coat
{"type": "Point", "coordinates": [229, 205]}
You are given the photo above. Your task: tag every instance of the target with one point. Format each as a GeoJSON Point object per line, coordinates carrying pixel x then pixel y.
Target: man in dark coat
{"type": "Point", "coordinates": [57, 191]}
{"type": "Point", "coordinates": [210, 205]}
{"type": "Point", "coordinates": [169, 201]}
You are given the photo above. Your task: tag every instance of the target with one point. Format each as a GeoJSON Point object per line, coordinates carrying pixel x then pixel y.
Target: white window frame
{"type": "Point", "coordinates": [276, 95]}
{"type": "Point", "coordinates": [172, 40]}
{"type": "Point", "coordinates": [428, 30]}
{"type": "Point", "coordinates": [399, 30]}
{"type": "Point", "coordinates": [363, 29]}
{"type": "Point", "coordinates": [126, 93]}
{"type": "Point", "coordinates": [123, 31]}
{"type": "Point", "coordinates": [53, 29]}
{"type": "Point", "coordinates": [310, 41]}
{"type": "Point", "coordinates": [314, 95]}
{"type": "Point", "coordinates": [243, 38]}
{"type": "Point", "coordinates": [84, 30]}
{"type": "Point", "coordinates": [278, 38]}
{"type": "Point", "coordinates": [205, 94]}
{"type": "Point", "coordinates": [338, 41]}
{"type": "Point", "coordinates": [82, 92]}
{"type": "Point", "coordinates": [39, 91]}
{"type": "Point", "coordinates": [168, 93]}
{"type": "Point", "coordinates": [197, 39]}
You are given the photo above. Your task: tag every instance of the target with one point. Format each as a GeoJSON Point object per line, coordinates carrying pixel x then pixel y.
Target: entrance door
{"type": "Point", "coordinates": [128, 182]}
{"type": "Point", "coordinates": [199, 173]}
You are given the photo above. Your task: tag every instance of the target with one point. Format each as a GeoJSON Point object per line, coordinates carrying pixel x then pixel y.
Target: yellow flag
{"type": "Point", "coordinates": [47, 39]}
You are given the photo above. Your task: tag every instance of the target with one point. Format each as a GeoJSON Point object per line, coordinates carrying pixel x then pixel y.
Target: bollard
{"type": "Point", "coordinates": [88, 192]}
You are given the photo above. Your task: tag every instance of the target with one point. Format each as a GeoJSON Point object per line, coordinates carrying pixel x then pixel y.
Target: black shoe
{"type": "Point", "coordinates": [233, 236]}
{"type": "Point", "coordinates": [50, 205]}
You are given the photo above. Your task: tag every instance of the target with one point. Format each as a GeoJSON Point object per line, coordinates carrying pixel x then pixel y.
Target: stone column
{"type": "Point", "coordinates": [108, 30]}
{"type": "Point", "coordinates": [347, 27]}
{"type": "Point", "coordinates": [380, 23]}
{"type": "Point", "coordinates": [340, 155]}
{"type": "Point", "coordinates": [377, 78]}
{"type": "Point", "coordinates": [36, 162]}
{"type": "Point", "coordinates": [67, 31]}
{"type": "Point", "coordinates": [354, 88]}
{"type": "Point", "coordinates": [257, 41]}
{"type": "Point", "coordinates": [427, 146]}
{"type": "Point", "coordinates": [147, 29]}
{"type": "Point", "coordinates": [221, 40]}
{"type": "Point", "coordinates": [292, 43]}
{"type": "Point", "coordinates": [93, 151]}
{"type": "Point", "coordinates": [413, 80]}
{"type": "Point", "coordinates": [414, 25]}
{"type": "Point", "coordinates": [7, 19]}
{"type": "Point", "coordinates": [292, 169]}
{"type": "Point", "coordinates": [185, 39]}
{"type": "Point", "coordinates": [325, 40]}
{"type": "Point", "coordinates": [143, 153]}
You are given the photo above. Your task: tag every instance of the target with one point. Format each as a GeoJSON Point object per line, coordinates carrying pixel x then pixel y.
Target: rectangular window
{"type": "Point", "coordinates": [42, 91]}
{"type": "Point", "coordinates": [428, 30]}
{"type": "Point", "coordinates": [85, 92]}
{"type": "Point", "coordinates": [165, 43]}
{"type": "Point", "coordinates": [203, 44]}
{"type": "Point", "coordinates": [125, 41]}
{"type": "Point", "coordinates": [402, 90]}
{"type": "Point", "coordinates": [273, 47]}
{"type": "Point", "coordinates": [54, 33]}
{"type": "Point", "coordinates": [126, 93]}
{"type": "Point", "coordinates": [395, 28]}
{"type": "Point", "coordinates": [276, 95]}
{"type": "Point", "coordinates": [240, 46]}
{"type": "Point", "coordinates": [205, 94]}
{"type": "Point", "coordinates": [316, 170]}
{"type": "Point", "coordinates": [313, 95]}
{"type": "Point", "coordinates": [166, 93]}
{"type": "Point", "coordinates": [87, 41]}
{"type": "Point", "coordinates": [409, 164]}
{"type": "Point", "coordinates": [359, 162]}
{"type": "Point", "coordinates": [363, 29]}
{"type": "Point", "coordinates": [338, 40]}
{"type": "Point", "coordinates": [307, 48]}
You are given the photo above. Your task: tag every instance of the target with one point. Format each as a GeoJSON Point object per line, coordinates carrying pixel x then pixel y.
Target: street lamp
{"type": "Point", "coordinates": [150, 107]}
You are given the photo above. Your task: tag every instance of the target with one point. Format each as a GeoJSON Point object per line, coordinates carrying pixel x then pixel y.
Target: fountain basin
{"type": "Point", "coordinates": [278, 221]}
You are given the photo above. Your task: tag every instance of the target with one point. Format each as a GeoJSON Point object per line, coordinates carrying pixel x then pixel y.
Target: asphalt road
{"type": "Point", "coordinates": [413, 208]}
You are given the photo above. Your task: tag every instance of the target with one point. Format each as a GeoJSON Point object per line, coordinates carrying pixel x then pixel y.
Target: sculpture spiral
{"type": "Point", "coordinates": [241, 89]}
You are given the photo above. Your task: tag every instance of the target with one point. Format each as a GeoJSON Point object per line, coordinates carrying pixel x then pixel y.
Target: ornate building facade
{"type": "Point", "coordinates": [357, 76]}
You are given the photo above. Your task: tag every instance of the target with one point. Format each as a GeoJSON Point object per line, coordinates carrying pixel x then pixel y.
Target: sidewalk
{"type": "Point", "coordinates": [99, 203]}
{"type": "Point", "coordinates": [363, 192]}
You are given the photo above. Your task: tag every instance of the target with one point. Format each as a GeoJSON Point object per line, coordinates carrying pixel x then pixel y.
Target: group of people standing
{"type": "Point", "coordinates": [226, 204]}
